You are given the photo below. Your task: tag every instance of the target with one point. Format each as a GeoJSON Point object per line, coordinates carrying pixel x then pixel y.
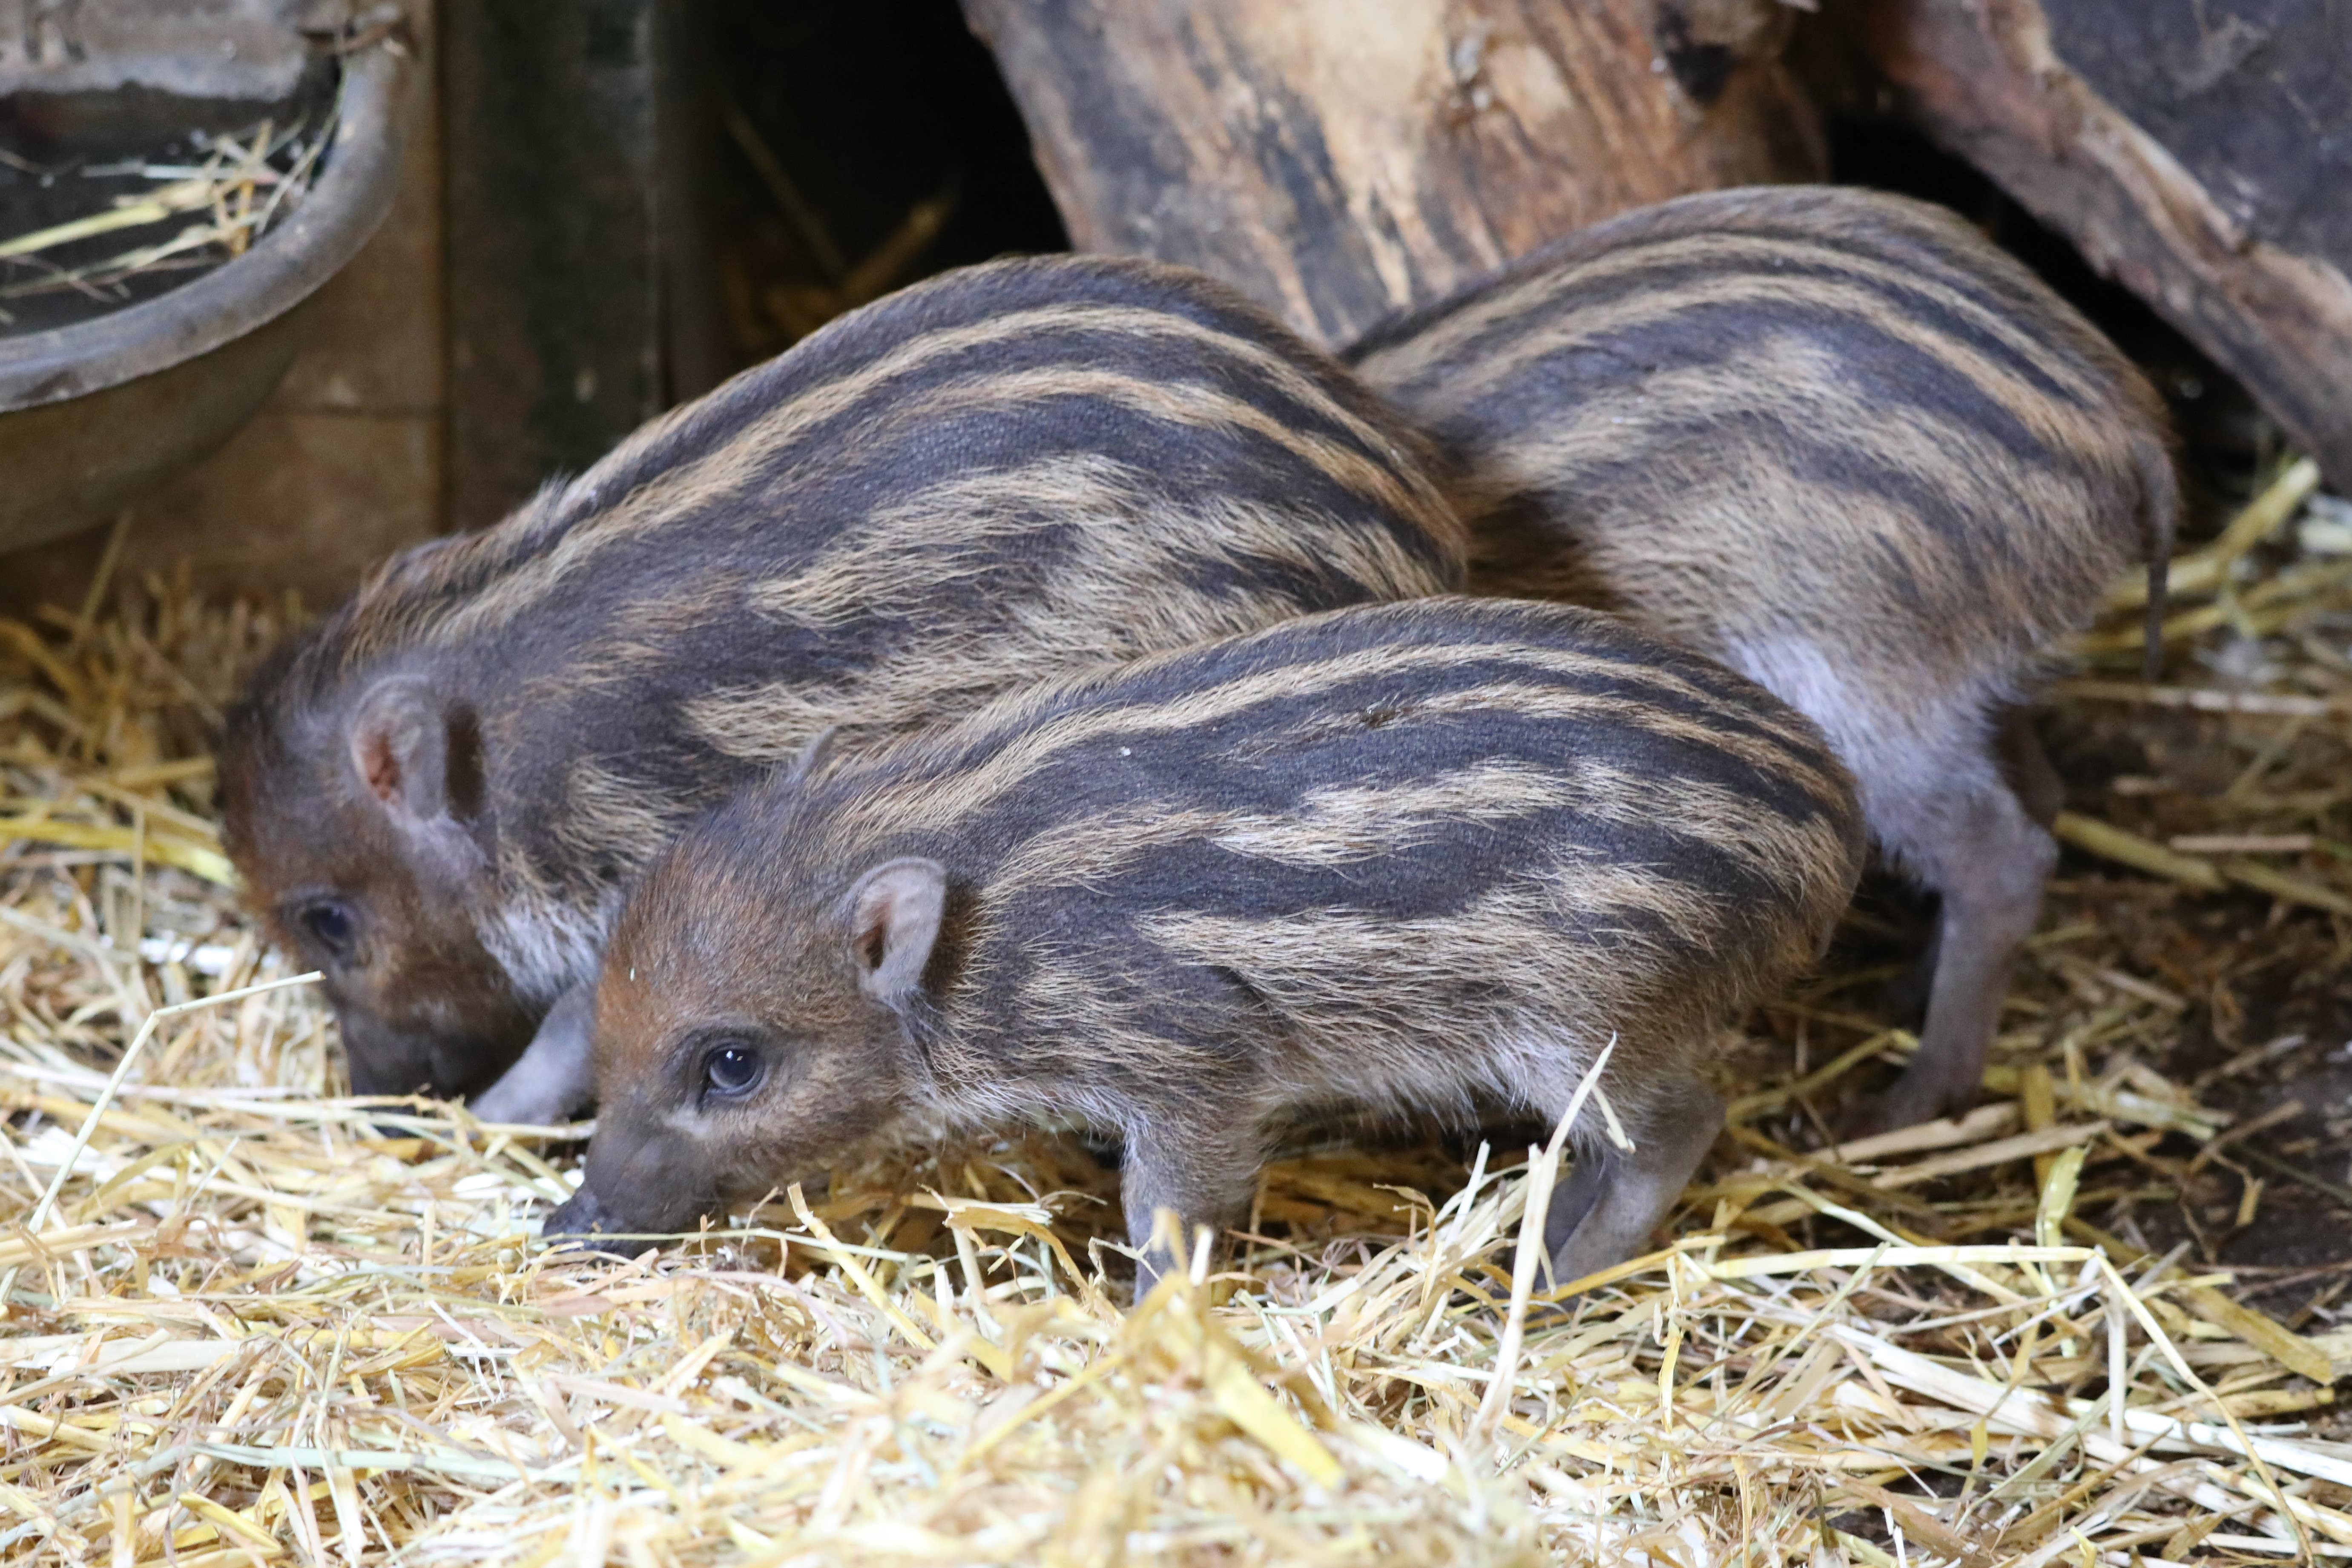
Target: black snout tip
{"type": "Point", "coordinates": [574, 1227]}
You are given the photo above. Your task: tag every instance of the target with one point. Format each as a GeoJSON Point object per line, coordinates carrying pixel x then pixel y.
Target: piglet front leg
{"type": "Point", "coordinates": [555, 1076]}
{"type": "Point", "coordinates": [1604, 1214]}
{"type": "Point", "coordinates": [1200, 1164]}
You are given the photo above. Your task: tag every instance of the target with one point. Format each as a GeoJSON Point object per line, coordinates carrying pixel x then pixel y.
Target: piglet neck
{"type": "Point", "coordinates": [926, 1053]}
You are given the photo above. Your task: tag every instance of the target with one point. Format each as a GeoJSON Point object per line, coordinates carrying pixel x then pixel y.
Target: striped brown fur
{"type": "Point", "coordinates": [1007, 471]}
{"type": "Point", "coordinates": [1429, 856]}
{"type": "Point", "coordinates": [1839, 441]}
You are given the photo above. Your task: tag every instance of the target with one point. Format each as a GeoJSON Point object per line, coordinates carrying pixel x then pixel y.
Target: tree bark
{"type": "Point", "coordinates": [2198, 151]}
{"type": "Point", "coordinates": [1340, 159]}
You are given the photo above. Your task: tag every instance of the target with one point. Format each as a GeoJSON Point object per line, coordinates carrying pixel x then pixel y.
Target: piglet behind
{"type": "Point", "coordinates": [1427, 856]}
{"type": "Point", "coordinates": [1837, 439]}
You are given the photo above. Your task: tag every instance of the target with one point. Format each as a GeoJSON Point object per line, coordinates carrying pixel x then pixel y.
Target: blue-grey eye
{"type": "Point", "coordinates": [330, 926]}
{"type": "Point", "coordinates": [730, 1069]}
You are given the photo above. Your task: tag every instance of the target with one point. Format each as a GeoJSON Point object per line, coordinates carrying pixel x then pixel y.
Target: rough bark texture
{"type": "Point", "coordinates": [1338, 159]}
{"type": "Point", "coordinates": [2199, 150]}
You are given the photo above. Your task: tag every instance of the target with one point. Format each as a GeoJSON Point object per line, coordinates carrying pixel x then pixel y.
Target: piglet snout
{"type": "Point", "coordinates": [586, 1215]}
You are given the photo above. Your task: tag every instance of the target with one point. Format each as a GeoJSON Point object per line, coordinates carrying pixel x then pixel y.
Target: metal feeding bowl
{"type": "Point", "coordinates": [160, 368]}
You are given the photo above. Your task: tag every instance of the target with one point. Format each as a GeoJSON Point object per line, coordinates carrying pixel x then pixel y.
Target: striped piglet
{"type": "Point", "coordinates": [437, 795]}
{"type": "Point", "coordinates": [1839, 441]}
{"type": "Point", "coordinates": [1432, 856]}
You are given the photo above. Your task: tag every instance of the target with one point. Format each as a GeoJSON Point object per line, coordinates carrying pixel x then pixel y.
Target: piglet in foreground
{"type": "Point", "coordinates": [1427, 856]}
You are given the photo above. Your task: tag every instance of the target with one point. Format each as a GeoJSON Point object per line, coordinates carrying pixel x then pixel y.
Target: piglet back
{"type": "Point", "coordinates": [1008, 470]}
{"type": "Point", "coordinates": [1373, 829]}
{"type": "Point", "coordinates": [1795, 411]}
{"type": "Point", "coordinates": [1120, 385]}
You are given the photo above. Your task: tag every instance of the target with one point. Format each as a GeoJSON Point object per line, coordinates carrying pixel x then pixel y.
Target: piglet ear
{"type": "Point", "coordinates": [420, 758]}
{"type": "Point", "coordinates": [894, 923]}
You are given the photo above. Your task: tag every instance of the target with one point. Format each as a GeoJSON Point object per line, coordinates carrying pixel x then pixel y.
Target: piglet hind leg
{"type": "Point", "coordinates": [1973, 840]}
{"type": "Point", "coordinates": [1604, 1213]}
{"type": "Point", "coordinates": [1197, 1164]}
{"type": "Point", "coordinates": [2027, 769]}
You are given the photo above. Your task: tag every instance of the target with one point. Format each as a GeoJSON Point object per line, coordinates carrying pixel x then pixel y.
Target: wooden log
{"type": "Point", "coordinates": [1338, 159]}
{"type": "Point", "coordinates": [2198, 151]}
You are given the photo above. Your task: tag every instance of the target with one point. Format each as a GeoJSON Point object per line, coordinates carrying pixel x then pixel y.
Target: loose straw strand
{"type": "Point", "coordinates": [1542, 1176]}
{"type": "Point", "coordinates": [39, 1217]}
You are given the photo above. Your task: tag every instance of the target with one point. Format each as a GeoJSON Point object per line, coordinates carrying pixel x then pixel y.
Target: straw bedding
{"type": "Point", "coordinates": [261, 1322]}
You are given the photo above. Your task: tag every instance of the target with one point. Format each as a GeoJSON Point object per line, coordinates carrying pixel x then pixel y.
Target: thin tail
{"type": "Point", "coordinates": [2160, 489]}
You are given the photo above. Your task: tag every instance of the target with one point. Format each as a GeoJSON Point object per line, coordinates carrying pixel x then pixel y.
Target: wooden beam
{"type": "Point", "coordinates": [1338, 159]}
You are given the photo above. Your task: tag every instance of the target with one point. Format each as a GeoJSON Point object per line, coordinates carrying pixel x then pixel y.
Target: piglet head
{"type": "Point", "coordinates": [752, 1024]}
{"type": "Point", "coordinates": [360, 823]}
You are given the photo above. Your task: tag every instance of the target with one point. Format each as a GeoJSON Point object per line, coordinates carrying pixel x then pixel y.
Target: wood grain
{"type": "Point", "coordinates": [1338, 159]}
{"type": "Point", "coordinates": [2180, 147]}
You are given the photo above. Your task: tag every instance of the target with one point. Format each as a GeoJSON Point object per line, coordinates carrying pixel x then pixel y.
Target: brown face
{"type": "Point", "coordinates": [741, 1045]}
{"type": "Point", "coordinates": [379, 896]}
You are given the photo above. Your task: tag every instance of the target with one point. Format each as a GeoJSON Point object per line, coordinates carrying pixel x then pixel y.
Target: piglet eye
{"type": "Point", "coordinates": [730, 1069]}
{"type": "Point", "coordinates": [330, 924]}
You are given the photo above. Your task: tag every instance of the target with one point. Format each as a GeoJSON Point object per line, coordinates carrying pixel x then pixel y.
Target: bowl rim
{"type": "Point", "coordinates": [288, 264]}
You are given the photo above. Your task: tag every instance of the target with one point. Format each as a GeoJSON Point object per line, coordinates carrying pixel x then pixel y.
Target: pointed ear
{"type": "Point", "coordinates": [400, 745]}
{"type": "Point", "coordinates": [894, 923]}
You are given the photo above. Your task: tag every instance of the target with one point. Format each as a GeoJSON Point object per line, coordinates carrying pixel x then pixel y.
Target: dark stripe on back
{"type": "Point", "coordinates": [1701, 333]}
{"type": "Point", "coordinates": [1268, 758]}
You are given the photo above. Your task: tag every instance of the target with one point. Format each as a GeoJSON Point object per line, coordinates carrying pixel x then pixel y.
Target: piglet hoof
{"type": "Point", "coordinates": [1551, 1311]}
{"type": "Point", "coordinates": [1910, 1102]}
